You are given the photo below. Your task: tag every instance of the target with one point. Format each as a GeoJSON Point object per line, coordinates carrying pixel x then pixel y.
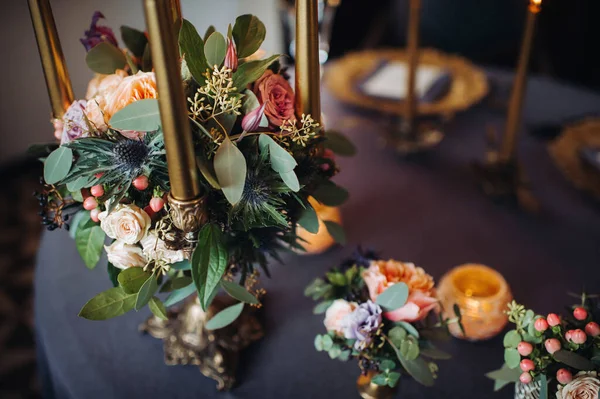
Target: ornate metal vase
{"type": "Point", "coordinates": [368, 390]}
{"type": "Point", "coordinates": [527, 391]}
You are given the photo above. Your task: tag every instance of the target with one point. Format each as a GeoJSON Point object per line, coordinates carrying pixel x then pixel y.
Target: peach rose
{"type": "Point", "coordinates": [122, 255]}
{"type": "Point", "coordinates": [101, 85]}
{"type": "Point", "coordinates": [94, 113]}
{"type": "Point", "coordinates": [275, 90]}
{"type": "Point", "coordinates": [335, 314]}
{"type": "Point", "coordinates": [585, 385]}
{"type": "Point", "coordinates": [128, 223]}
{"type": "Point", "coordinates": [140, 86]}
{"type": "Point", "coordinates": [421, 293]}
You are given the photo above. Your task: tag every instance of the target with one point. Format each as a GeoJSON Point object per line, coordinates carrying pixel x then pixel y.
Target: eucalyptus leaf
{"type": "Point", "coordinates": [434, 353]}
{"type": "Point", "coordinates": [336, 231]}
{"type": "Point", "coordinates": [387, 365]}
{"type": "Point", "coordinates": [238, 292]}
{"type": "Point", "coordinates": [499, 384]}
{"type": "Point", "coordinates": [58, 164]}
{"type": "Point", "coordinates": [339, 144]}
{"type": "Point", "coordinates": [225, 317]}
{"type": "Point", "coordinates": [230, 168]}
{"type": "Point", "coordinates": [191, 48]}
{"type": "Point", "coordinates": [380, 379]}
{"type": "Point", "coordinates": [82, 217]}
{"type": "Point", "coordinates": [418, 368]}
{"type": "Point", "coordinates": [394, 297]}
{"type": "Point", "coordinates": [322, 307]}
{"type": "Point", "coordinates": [281, 160]}
{"type": "Point", "coordinates": [397, 335]}
{"type": "Point", "coordinates": [327, 343]}
{"type": "Point", "coordinates": [309, 220]}
{"type": "Point", "coordinates": [291, 180]}
{"type": "Point", "coordinates": [335, 352]}
{"type": "Point", "coordinates": [409, 348]}
{"type": "Point", "coordinates": [409, 328]}
{"type": "Point", "coordinates": [79, 183]}
{"type": "Point", "coordinates": [89, 240]}
{"type": "Point", "coordinates": [146, 292]}
{"type": "Point", "coordinates": [209, 262]}
{"type": "Point", "coordinates": [179, 295]}
{"type": "Point", "coordinates": [132, 279]}
{"type": "Point", "coordinates": [248, 33]}
{"type": "Point", "coordinates": [105, 58]}
{"type": "Point", "coordinates": [141, 116]}
{"type": "Point", "coordinates": [250, 103]}
{"type": "Point", "coordinates": [135, 40]}
{"type": "Point", "coordinates": [250, 71]}
{"type": "Point", "coordinates": [215, 49]}
{"type": "Point", "coordinates": [319, 343]}
{"type": "Point", "coordinates": [158, 308]}
{"type": "Point", "coordinates": [330, 194]}
{"type": "Point", "coordinates": [512, 358]}
{"type": "Point", "coordinates": [108, 304]}
{"type": "Point", "coordinates": [512, 339]}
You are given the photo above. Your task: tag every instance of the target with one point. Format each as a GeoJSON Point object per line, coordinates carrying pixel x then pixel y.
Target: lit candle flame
{"type": "Point", "coordinates": [535, 5]}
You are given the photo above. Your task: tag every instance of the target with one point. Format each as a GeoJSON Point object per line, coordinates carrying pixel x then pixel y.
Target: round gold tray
{"type": "Point", "coordinates": [565, 153]}
{"type": "Point", "coordinates": [469, 83]}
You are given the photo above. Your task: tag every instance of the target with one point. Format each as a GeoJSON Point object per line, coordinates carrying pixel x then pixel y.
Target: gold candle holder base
{"type": "Point", "coordinates": [216, 353]}
{"type": "Point", "coordinates": [421, 138]}
{"type": "Point", "coordinates": [482, 295]}
{"type": "Point", "coordinates": [368, 390]}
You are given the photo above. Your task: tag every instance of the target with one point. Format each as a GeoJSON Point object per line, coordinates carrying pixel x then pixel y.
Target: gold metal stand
{"type": "Point", "coordinates": [216, 353]}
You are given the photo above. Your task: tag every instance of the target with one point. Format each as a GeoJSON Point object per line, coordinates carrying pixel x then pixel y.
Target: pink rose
{"type": "Point", "coordinates": [335, 313]}
{"type": "Point", "coordinates": [276, 92]}
{"type": "Point", "coordinates": [421, 293]}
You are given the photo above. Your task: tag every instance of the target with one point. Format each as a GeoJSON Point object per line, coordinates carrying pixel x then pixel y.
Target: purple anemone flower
{"type": "Point", "coordinates": [98, 34]}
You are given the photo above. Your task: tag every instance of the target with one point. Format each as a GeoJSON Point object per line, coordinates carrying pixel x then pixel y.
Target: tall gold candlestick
{"type": "Point", "coordinates": [53, 60]}
{"type": "Point", "coordinates": [185, 197]}
{"type": "Point", "coordinates": [413, 64]}
{"type": "Point", "coordinates": [508, 149]}
{"type": "Point", "coordinates": [308, 68]}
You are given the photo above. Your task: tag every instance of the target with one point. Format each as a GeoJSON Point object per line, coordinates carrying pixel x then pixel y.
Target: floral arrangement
{"type": "Point", "coordinates": [556, 355]}
{"type": "Point", "coordinates": [259, 164]}
{"type": "Point", "coordinates": [383, 313]}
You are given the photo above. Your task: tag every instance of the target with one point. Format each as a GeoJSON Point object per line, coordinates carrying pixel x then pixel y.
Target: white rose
{"type": "Point", "coordinates": [336, 312]}
{"type": "Point", "coordinates": [155, 248]}
{"type": "Point", "coordinates": [128, 223]}
{"type": "Point", "coordinates": [122, 255]}
{"type": "Point", "coordinates": [585, 385]}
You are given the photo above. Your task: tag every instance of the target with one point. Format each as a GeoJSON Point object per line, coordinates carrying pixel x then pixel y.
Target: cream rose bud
{"type": "Point", "coordinates": [585, 385]}
{"type": "Point", "coordinates": [155, 248]}
{"type": "Point", "coordinates": [126, 222]}
{"type": "Point", "coordinates": [123, 255]}
{"type": "Point", "coordinates": [335, 313]}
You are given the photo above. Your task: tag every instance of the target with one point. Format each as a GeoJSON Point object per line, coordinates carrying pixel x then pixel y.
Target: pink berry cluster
{"type": "Point", "coordinates": [90, 197]}
{"type": "Point", "coordinates": [556, 335]}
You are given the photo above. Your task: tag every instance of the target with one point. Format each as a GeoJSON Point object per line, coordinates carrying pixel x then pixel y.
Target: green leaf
{"type": "Point", "coordinates": [249, 72]}
{"type": "Point", "coordinates": [393, 379]}
{"type": "Point", "coordinates": [230, 167]}
{"type": "Point", "coordinates": [207, 173]}
{"type": "Point", "coordinates": [81, 218]}
{"type": "Point", "coordinates": [179, 295]}
{"type": "Point", "coordinates": [105, 58]}
{"type": "Point", "coordinates": [322, 307]}
{"type": "Point", "coordinates": [335, 352]}
{"type": "Point", "coordinates": [215, 49]}
{"type": "Point", "coordinates": [176, 284]}
{"type": "Point", "coordinates": [309, 220]}
{"type": "Point", "coordinates": [512, 358]}
{"type": "Point", "coordinates": [291, 180]}
{"type": "Point", "coordinates": [339, 144]}
{"type": "Point", "coordinates": [209, 262]}
{"type": "Point", "coordinates": [146, 292]}
{"type": "Point", "coordinates": [147, 59]}
{"type": "Point", "coordinates": [141, 116]}
{"type": "Point", "coordinates": [211, 29]}
{"type": "Point", "coordinates": [113, 274]}
{"type": "Point", "coordinates": [345, 355]}
{"type": "Point", "coordinates": [418, 368]}
{"type": "Point", "coordinates": [79, 183]}
{"type": "Point", "coordinates": [238, 292]}
{"type": "Point", "coordinates": [135, 40]}
{"type": "Point", "coordinates": [157, 308]}
{"type": "Point", "coordinates": [543, 386]}
{"type": "Point", "coordinates": [191, 47]}
{"type": "Point", "coordinates": [434, 353]}
{"type": "Point", "coordinates": [248, 33]}
{"type": "Point", "coordinates": [89, 240]}
{"type": "Point", "coordinates": [281, 160]}
{"type": "Point", "coordinates": [409, 328]}
{"type": "Point", "coordinates": [319, 343]}
{"type": "Point", "coordinates": [512, 339]}
{"type": "Point", "coordinates": [132, 279]}
{"type": "Point", "coordinates": [387, 365]}
{"type": "Point", "coordinates": [58, 164]}
{"type": "Point", "coordinates": [397, 335]}
{"type": "Point", "coordinates": [108, 304]}
{"type": "Point", "coordinates": [183, 265]}
{"type": "Point", "coordinates": [574, 360]}
{"type": "Point", "coordinates": [330, 194]}
{"type": "Point", "coordinates": [380, 379]}
{"type": "Point", "coordinates": [336, 278]}
{"type": "Point", "coordinates": [394, 297]}
{"type": "Point", "coordinates": [336, 231]}
{"type": "Point", "coordinates": [327, 343]}
{"type": "Point", "coordinates": [499, 384]}
{"type": "Point", "coordinates": [529, 318]}
{"type": "Point", "coordinates": [409, 348]}
{"type": "Point", "coordinates": [225, 317]}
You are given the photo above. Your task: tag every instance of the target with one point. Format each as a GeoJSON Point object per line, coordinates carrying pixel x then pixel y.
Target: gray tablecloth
{"type": "Point", "coordinates": [429, 212]}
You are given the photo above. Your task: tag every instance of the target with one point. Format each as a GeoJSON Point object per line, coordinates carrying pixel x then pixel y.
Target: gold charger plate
{"type": "Point", "coordinates": [565, 154]}
{"type": "Point", "coordinates": [469, 83]}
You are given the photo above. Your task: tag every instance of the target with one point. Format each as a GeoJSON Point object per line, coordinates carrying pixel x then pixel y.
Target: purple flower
{"type": "Point", "coordinates": [363, 321]}
{"type": "Point", "coordinates": [75, 123]}
{"type": "Point", "coordinates": [251, 121]}
{"type": "Point", "coordinates": [231, 58]}
{"type": "Point", "coordinates": [98, 34]}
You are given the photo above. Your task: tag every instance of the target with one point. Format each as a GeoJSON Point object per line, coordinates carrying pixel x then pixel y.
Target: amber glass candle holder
{"type": "Point", "coordinates": [482, 295]}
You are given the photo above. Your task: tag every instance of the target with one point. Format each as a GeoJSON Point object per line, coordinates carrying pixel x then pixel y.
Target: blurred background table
{"type": "Point", "coordinates": [429, 212]}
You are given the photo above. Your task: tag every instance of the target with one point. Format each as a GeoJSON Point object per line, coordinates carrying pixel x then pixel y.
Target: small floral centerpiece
{"type": "Point", "coordinates": [258, 162]}
{"type": "Point", "coordinates": [551, 355]}
{"type": "Point", "coordinates": [383, 313]}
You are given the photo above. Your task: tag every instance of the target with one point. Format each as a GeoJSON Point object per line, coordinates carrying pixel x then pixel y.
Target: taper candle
{"type": "Point", "coordinates": [412, 49]}
{"type": "Point", "coordinates": [53, 60]}
{"type": "Point", "coordinates": [508, 149]}
{"type": "Point", "coordinates": [181, 162]}
{"type": "Point", "coordinates": [308, 68]}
